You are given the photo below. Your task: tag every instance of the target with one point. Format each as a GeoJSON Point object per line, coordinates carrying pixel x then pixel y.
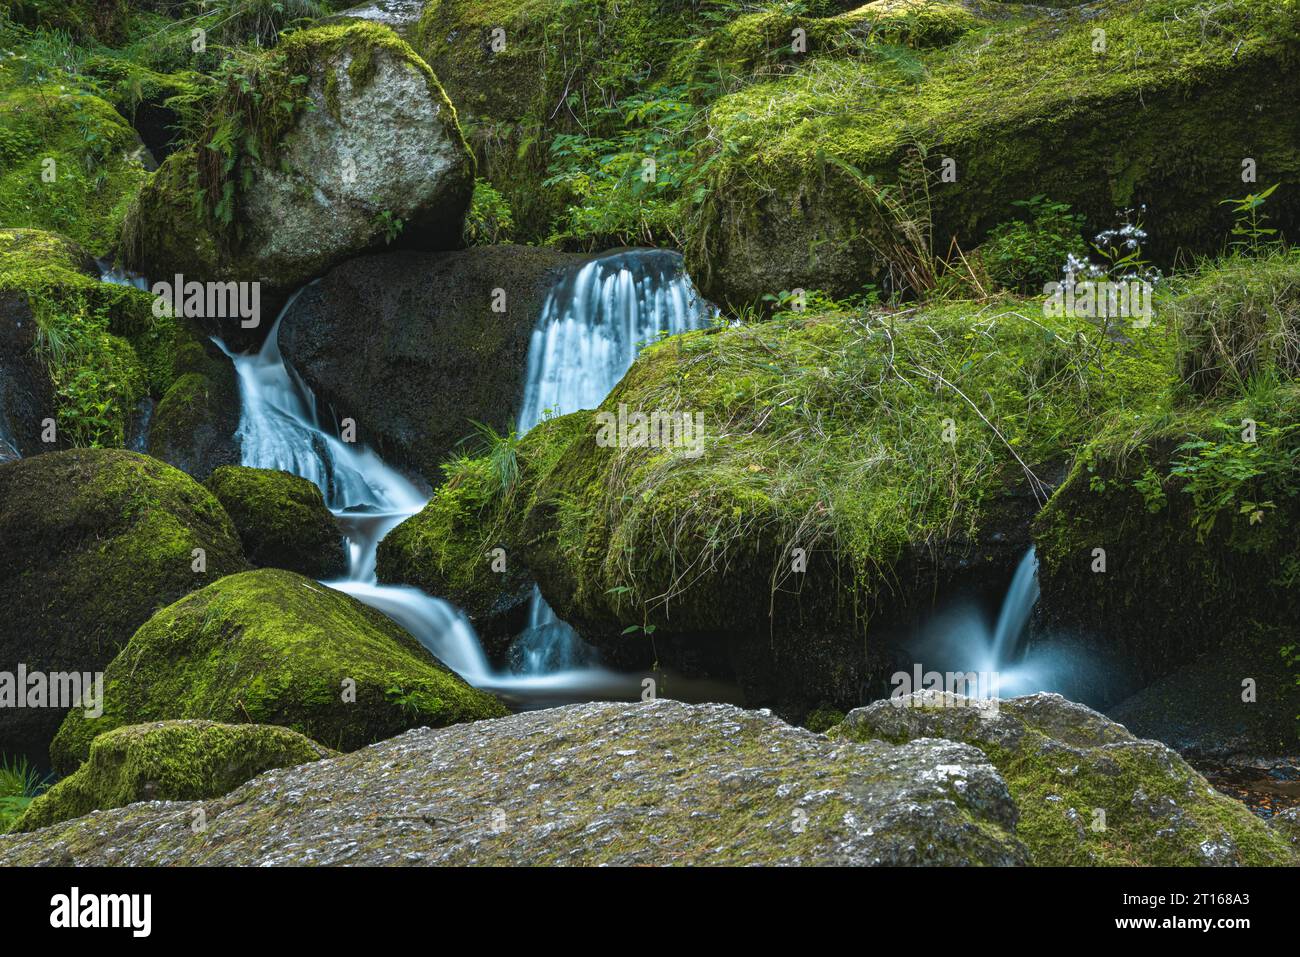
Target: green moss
{"type": "Point", "coordinates": [68, 162]}
{"type": "Point", "coordinates": [282, 520]}
{"type": "Point", "coordinates": [823, 430]}
{"type": "Point", "coordinates": [95, 542]}
{"type": "Point", "coordinates": [99, 343]}
{"type": "Point", "coordinates": [449, 548]}
{"type": "Point", "coordinates": [1239, 321]}
{"type": "Point", "coordinates": [1192, 503]}
{"type": "Point", "coordinates": [168, 761]}
{"type": "Point", "coordinates": [272, 647]}
{"type": "Point", "coordinates": [581, 56]}
{"type": "Point", "coordinates": [798, 162]}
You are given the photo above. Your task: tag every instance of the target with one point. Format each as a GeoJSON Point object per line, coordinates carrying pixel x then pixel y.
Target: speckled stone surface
{"type": "Point", "coordinates": [645, 783]}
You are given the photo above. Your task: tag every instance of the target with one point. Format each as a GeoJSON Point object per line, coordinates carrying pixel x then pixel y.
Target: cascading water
{"type": "Point", "coordinates": [279, 428]}
{"type": "Point", "coordinates": [962, 640]}
{"type": "Point", "coordinates": [1016, 609]}
{"type": "Point", "coordinates": [593, 324]}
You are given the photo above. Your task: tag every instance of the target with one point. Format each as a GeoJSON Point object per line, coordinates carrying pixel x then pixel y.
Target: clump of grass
{"type": "Point", "coordinates": [1239, 318]}
{"type": "Point", "coordinates": [491, 454]}
{"type": "Point", "coordinates": [20, 784]}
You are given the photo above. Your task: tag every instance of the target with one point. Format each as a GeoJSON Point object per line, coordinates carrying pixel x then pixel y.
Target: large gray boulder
{"type": "Point", "coordinates": [373, 156]}
{"type": "Point", "coordinates": [1089, 792]}
{"type": "Point", "coordinates": [648, 783]}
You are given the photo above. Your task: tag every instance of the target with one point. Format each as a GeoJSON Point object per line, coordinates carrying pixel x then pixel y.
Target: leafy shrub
{"type": "Point", "coordinates": [490, 219]}
{"type": "Point", "coordinates": [1025, 255]}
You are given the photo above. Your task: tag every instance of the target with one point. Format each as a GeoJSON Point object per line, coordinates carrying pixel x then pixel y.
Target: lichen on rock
{"type": "Point", "coordinates": [659, 782]}
{"type": "Point", "coordinates": [1089, 792]}
{"type": "Point", "coordinates": [336, 142]}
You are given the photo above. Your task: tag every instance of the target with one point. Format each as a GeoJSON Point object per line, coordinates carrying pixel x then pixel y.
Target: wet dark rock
{"type": "Point", "coordinates": [408, 344]}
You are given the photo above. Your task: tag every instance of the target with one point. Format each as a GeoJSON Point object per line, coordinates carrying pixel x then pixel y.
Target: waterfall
{"type": "Point", "coordinates": [593, 324]}
{"type": "Point", "coordinates": [1016, 609]}
{"type": "Point", "coordinates": [280, 428]}
{"type": "Point", "coordinates": [962, 639]}
{"type": "Point", "coordinates": [595, 321]}
{"type": "Point", "coordinates": [591, 327]}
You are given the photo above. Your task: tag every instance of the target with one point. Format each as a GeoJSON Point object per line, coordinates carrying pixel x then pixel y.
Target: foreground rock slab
{"type": "Point", "coordinates": [1089, 791]}
{"type": "Point", "coordinates": [648, 783]}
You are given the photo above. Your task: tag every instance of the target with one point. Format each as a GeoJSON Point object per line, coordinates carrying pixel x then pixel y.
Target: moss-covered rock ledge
{"type": "Point", "coordinates": [273, 647]}
{"type": "Point", "coordinates": [810, 185]}
{"type": "Point", "coordinates": [1174, 534]}
{"type": "Point", "coordinates": [339, 141]}
{"type": "Point", "coordinates": [168, 761]}
{"type": "Point", "coordinates": [893, 451]}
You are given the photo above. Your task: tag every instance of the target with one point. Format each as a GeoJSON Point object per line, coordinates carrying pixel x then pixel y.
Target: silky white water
{"type": "Point", "coordinates": [279, 428]}
{"type": "Point", "coordinates": [592, 326]}
{"type": "Point", "coordinates": [962, 639]}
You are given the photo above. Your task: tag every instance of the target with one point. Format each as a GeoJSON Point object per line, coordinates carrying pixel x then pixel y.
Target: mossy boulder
{"type": "Point", "coordinates": [1089, 792]}
{"type": "Point", "coordinates": [168, 761]}
{"type": "Point", "coordinates": [822, 431]}
{"type": "Point", "coordinates": [95, 542]}
{"type": "Point", "coordinates": [281, 519]}
{"type": "Point", "coordinates": [438, 355]}
{"type": "Point", "coordinates": [348, 144]}
{"type": "Point", "coordinates": [273, 647]}
{"type": "Point", "coordinates": [68, 162]}
{"type": "Point", "coordinates": [815, 173]}
{"type": "Point", "coordinates": [1173, 534]}
{"type": "Point", "coordinates": [658, 782]}
{"type": "Point", "coordinates": [87, 353]}
{"type": "Point", "coordinates": [194, 423]}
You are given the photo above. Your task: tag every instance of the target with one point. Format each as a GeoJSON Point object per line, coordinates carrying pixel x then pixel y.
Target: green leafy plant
{"type": "Point", "coordinates": [1025, 255]}
{"type": "Point", "coordinates": [20, 784]}
{"type": "Point", "coordinates": [1239, 477]}
{"type": "Point", "coordinates": [490, 219]}
{"type": "Point", "coordinates": [1249, 230]}
{"type": "Point", "coordinates": [390, 225]}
